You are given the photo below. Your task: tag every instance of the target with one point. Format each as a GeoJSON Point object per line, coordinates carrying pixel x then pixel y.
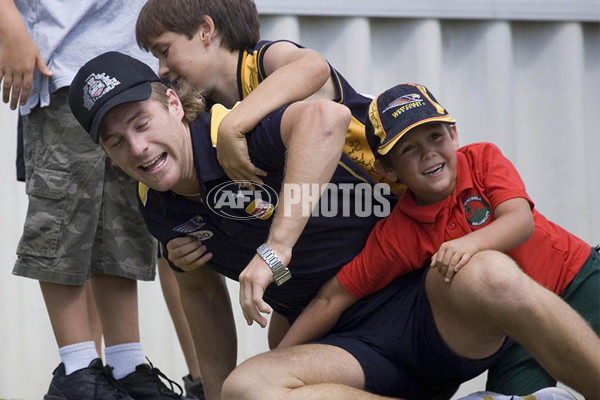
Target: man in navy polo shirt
{"type": "Point", "coordinates": [203, 219]}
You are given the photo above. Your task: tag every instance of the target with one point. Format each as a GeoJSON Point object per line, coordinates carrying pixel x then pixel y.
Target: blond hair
{"type": "Point", "coordinates": [191, 99]}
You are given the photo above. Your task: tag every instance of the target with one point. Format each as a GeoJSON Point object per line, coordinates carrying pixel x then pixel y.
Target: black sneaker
{"type": "Point", "coordinates": [145, 383]}
{"type": "Point", "coordinates": [90, 383]}
{"type": "Point", "coordinates": [194, 390]}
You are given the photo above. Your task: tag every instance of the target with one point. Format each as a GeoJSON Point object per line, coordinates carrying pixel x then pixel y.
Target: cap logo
{"type": "Point", "coordinates": [406, 102]}
{"type": "Point", "coordinates": [97, 85]}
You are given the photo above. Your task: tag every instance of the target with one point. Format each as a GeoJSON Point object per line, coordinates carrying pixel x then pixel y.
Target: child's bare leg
{"type": "Point", "coordinates": [491, 297]}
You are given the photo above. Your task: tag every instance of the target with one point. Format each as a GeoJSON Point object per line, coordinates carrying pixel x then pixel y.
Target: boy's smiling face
{"type": "Point", "coordinates": [425, 160]}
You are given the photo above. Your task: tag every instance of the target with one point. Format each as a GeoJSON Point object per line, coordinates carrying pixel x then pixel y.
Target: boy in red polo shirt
{"type": "Point", "coordinates": [459, 201]}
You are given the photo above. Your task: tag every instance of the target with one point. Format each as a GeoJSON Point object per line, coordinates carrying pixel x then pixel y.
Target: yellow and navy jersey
{"type": "Point", "coordinates": [251, 73]}
{"type": "Point", "coordinates": [233, 222]}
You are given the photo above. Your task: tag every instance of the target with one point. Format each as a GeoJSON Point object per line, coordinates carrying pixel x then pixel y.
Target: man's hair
{"type": "Point", "coordinates": [236, 21]}
{"type": "Point", "coordinates": [191, 99]}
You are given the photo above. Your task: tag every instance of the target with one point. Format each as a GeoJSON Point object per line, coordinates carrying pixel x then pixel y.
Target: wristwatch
{"type": "Point", "coordinates": [281, 273]}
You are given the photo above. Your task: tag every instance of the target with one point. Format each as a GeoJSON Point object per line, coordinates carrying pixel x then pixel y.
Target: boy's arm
{"type": "Point", "coordinates": [320, 315]}
{"type": "Point", "coordinates": [19, 56]}
{"type": "Point", "coordinates": [512, 226]}
{"type": "Point", "coordinates": [293, 74]}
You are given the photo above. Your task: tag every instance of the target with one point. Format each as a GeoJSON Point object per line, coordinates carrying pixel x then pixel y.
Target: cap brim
{"type": "Point", "coordinates": [135, 93]}
{"type": "Point", "coordinates": [385, 148]}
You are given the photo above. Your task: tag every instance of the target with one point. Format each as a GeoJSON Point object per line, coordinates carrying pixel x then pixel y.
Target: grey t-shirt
{"type": "Point", "coordinates": [68, 33]}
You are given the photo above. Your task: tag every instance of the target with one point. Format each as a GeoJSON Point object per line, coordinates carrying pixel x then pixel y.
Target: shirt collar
{"type": "Point", "coordinates": [205, 155]}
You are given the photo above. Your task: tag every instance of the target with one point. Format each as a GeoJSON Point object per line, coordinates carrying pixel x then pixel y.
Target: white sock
{"type": "Point", "coordinates": [124, 358]}
{"type": "Point", "coordinates": [77, 356]}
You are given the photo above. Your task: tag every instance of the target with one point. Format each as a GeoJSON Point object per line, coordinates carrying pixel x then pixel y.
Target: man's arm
{"type": "Point", "coordinates": [293, 74]}
{"type": "Point", "coordinates": [207, 307]}
{"type": "Point", "coordinates": [320, 315]}
{"type": "Point", "coordinates": [19, 56]}
{"type": "Point", "coordinates": [313, 133]}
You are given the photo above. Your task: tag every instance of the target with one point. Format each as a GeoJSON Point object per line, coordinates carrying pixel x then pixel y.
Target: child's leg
{"type": "Point", "coordinates": [170, 291]}
{"type": "Point", "coordinates": [492, 297]}
{"type": "Point", "coordinates": [517, 371]}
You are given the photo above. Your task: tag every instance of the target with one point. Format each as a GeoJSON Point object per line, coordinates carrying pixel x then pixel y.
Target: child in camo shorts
{"type": "Point", "coordinates": [82, 224]}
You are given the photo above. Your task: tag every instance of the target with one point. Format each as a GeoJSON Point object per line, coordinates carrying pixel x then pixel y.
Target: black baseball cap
{"type": "Point", "coordinates": [398, 110]}
{"type": "Point", "coordinates": [105, 82]}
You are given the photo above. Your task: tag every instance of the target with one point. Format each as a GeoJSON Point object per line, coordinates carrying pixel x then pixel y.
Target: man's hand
{"type": "Point", "coordinates": [452, 256]}
{"type": "Point", "coordinates": [19, 57]}
{"type": "Point", "coordinates": [188, 253]}
{"type": "Point", "coordinates": [254, 280]}
{"type": "Point", "coordinates": [232, 153]}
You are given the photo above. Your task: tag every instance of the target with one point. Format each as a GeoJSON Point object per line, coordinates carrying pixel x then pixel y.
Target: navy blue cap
{"type": "Point", "coordinates": [105, 82]}
{"type": "Point", "coordinates": [398, 110]}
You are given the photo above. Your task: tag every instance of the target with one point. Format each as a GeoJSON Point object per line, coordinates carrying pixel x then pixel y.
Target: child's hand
{"type": "Point", "coordinates": [232, 153]}
{"type": "Point", "coordinates": [451, 256]}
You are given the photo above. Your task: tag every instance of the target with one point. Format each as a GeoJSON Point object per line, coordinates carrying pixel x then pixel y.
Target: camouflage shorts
{"type": "Point", "coordinates": [82, 217]}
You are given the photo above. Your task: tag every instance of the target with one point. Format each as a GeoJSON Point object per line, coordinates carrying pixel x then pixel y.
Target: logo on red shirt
{"type": "Point", "coordinates": [477, 210]}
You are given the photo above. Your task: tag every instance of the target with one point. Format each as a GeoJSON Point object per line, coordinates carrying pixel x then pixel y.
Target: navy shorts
{"type": "Point", "coordinates": [393, 336]}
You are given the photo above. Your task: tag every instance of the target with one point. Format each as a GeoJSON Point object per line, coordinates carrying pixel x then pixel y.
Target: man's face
{"type": "Point", "coordinates": [148, 142]}
{"type": "Point", "coordinates": [425, 160]}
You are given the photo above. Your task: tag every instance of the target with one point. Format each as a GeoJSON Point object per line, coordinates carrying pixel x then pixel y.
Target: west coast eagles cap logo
{"type": "Point", "coordinates": [96, 86]}
{"type": "Point", "coordinates": [406, 99]}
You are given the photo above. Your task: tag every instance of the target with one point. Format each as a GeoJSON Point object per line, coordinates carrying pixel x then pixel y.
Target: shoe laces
{"type": "Point", "coordinates": [157, 375]}
{"type": "Point", "coordinates": [106, 379]}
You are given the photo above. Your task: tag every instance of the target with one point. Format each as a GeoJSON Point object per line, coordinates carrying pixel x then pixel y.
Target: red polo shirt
{"type": "Point", "coordinates": [408, 238]}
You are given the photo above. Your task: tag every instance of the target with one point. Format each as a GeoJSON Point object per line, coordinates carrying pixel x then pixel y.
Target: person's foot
{"type": "Point", "coordinates": [90, 383]}
{"type": "Point", "coordinates": [194, 390]}
{"type": "Point", "coordinates": [145, 383]}
{"type": "Point", "coordinates": [549, 393]}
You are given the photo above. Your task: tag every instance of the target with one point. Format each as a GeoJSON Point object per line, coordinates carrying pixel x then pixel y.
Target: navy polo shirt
{"type": "Point", "coordinates": [233, 222]}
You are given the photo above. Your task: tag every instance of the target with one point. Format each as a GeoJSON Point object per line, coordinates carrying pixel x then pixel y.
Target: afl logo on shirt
{"type": "Point", "coordinates": [260, 209]}
{"type": "Point", "coordinates": [230, 200]}
{"type": "Point", "coordinates": [477, 210]}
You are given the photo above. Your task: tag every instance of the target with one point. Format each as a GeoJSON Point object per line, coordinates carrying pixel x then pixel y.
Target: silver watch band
{"type": "Point", "coordinates": [281, 273]}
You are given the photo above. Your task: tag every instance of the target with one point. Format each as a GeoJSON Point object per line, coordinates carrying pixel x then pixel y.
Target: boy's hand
{"type": "Point", "coordinates": [232, 153]}
{"type": "Point", "coordinates": [188, 253]}
{"type": "Point", "coordinates": [19, 57]}
{"type": "Point", "coordinates": [452, 256]}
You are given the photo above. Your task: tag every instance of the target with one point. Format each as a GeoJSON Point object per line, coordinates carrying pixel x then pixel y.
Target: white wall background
{"type": "Point", "coordinates": [524, 75]}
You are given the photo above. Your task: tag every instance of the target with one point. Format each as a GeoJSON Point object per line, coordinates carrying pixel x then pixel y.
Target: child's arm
{"type": "Point", "coordinates": [293, 74]}
{"type": "Point", "coordinates": [19, 56]}
{"type": "Point", "coordinates": [320, 315]}
{"type": "Point", "coordinates": [512, 226]}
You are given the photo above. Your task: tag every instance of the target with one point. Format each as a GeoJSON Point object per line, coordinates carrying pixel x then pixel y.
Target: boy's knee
{"type": "Point", "coordinates": [493, 279]}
